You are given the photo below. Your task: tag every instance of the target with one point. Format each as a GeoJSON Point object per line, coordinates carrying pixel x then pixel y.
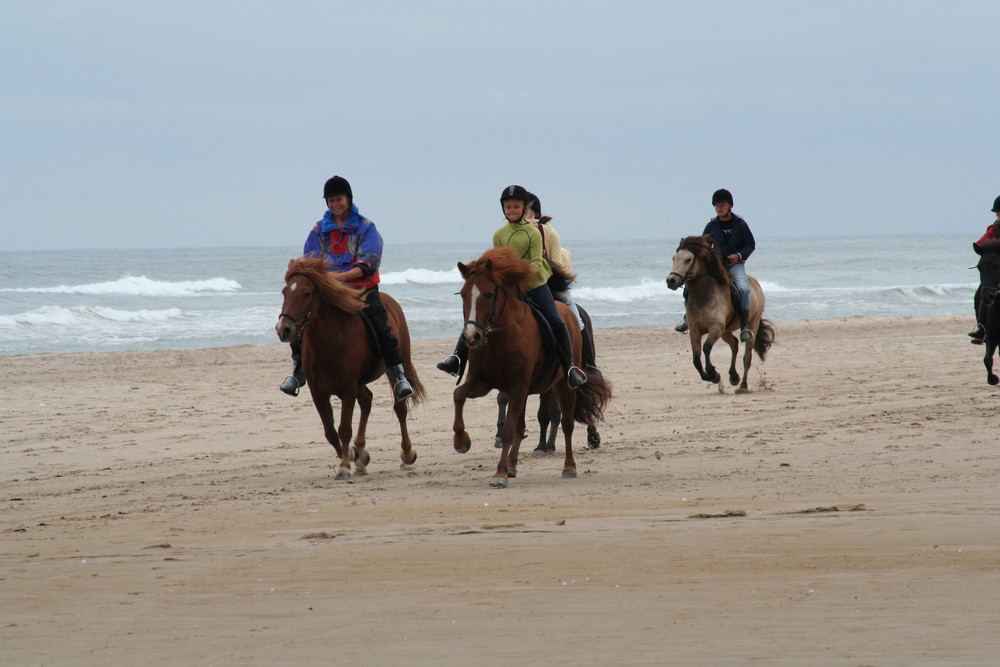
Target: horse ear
{"type": "Point", "coordinates": [463, 269]}
{"type": "Point", "coordinates": [290, 263]}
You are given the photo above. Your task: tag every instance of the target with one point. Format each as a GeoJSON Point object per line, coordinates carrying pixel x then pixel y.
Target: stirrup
{"type": "Point", "coordinates": [746, 335]}
{"type": "Point", "coordinates": [577, 378]}
{"type": "Point", "coordinates": [449, 366]}
{"type": "Point", "coordinates": [402, 390]}
{"type": "Point", "coordinates": [979, 333]}
{"type": "Point", "coordinates": [291, 385]}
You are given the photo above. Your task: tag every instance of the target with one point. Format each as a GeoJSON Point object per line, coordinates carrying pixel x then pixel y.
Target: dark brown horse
{"type": "Point", "coordinates": [339, 356]}
{"type": "Point", "coordinates": [507, 353]}
{"type": "Point", "coordinates": [710, 310]}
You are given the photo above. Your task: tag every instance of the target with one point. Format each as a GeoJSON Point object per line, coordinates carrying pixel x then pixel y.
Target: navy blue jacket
{"type": "Point", "coordinates": [732, 236]}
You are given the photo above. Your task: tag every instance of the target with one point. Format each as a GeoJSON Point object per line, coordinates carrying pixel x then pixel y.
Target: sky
{"type": "Point", "coordinates": [215, 123]}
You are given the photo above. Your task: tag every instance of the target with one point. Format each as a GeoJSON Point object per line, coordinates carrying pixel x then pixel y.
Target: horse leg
{"type": "Point", "coordinates": [344, 432]}
{"type": "Point", "coordinates": [470, 389]}
{"type": "Point", "coordinates": [407, 454]}
{"type": "Point", "coordinates": [747, 357]}
{"type": "Point", "coordinates": [709, 374]}
{"type": "Point", "coordinates": [325, 409]}
{"type": "Point", "coordinates": [734, 347]}
{"type": "Point", "coordinates": [991, 347]}
{"type": "Point", "coordinates": [501, 411]}
{"type": "Point", "coordinates": [547, 405]}
{"type": "Point", "coordinates": [567, 403]}
{"type": "Point", "coordinates": [512, 428]}
{"type": "Point", "coordinates": [515, 449]}
{"type": "Point", "coordinates": [359, 454]}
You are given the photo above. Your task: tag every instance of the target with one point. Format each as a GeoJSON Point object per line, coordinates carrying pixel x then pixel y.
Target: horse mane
{"type": "Point", "coordinates": [335, 292]}
{"type": "Point", "coordinates": [502, 266]}
{"type": "Point", "coordinates": [702, 247]}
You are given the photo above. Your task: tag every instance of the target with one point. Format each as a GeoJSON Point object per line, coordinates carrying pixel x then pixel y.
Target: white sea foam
{"type": "Point", "coordinates": [137, 286]}
{"type": "Point", "coordinates": [421, 277]}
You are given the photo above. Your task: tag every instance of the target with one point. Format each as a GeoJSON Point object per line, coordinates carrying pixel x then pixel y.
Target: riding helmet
{"type": "Point", "coordinates": [537, 205]}
{"type": "Point", "coordinates": [722, 195]}
{"type": "Point", "coordinates": [996, 205]}
{"type": "Point", "coordinates": [516, 192]}
{"type": "Point", "coordinates": [338, 185]}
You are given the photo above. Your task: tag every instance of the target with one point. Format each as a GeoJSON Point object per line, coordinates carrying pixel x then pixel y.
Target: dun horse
{"type": "Point", "coordinates": [340, 357]}
{"type": "Point", "coordinates": [989, 304]}
{"type": "Point", "coordinates": [710, 309]}
{"type": "Point", "coordinates": [507, 353]}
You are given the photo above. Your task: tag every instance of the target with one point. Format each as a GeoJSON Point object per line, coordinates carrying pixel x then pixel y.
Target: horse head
{"type": "Point", "coordinates": [489, 282]}
{"type": "Point", "coordinates": [696, 256]}
{"type": "Point", "coordinates": [308, 287]}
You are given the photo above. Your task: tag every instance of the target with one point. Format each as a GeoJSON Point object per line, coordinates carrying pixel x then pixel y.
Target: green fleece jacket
{"type": "Point", "coordinates": [526, 241]}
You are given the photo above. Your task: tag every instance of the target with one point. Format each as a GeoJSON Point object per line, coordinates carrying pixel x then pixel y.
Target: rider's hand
{"type": "Point", "coordinates": [734, 258]}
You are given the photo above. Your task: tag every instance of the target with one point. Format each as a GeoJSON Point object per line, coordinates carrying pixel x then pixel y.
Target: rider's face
{"type": "Point", "coordinates": [338, 205]}
{"type": "Point", "coordinates": [722, 209]}
{"type": "Point", "coordinates": [513, 209]}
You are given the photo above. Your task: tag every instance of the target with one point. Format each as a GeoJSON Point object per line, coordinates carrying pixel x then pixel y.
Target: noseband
{"type": "Point", "coordinates": [301, 322]}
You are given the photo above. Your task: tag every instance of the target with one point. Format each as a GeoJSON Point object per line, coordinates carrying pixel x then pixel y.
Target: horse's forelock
{"type": "Point", "coordinates": [334, 291]}
{"type": "Point", "coordinates": [701, 248]}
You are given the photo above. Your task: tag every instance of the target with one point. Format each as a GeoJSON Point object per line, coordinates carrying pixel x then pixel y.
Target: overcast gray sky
{"type": "Point", "coordinates": [174, 124]}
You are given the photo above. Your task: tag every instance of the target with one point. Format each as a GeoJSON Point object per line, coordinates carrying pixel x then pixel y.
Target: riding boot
{"type": "Point", "coordinates": [683, 326]}
{"type": "Point", "coordinates": [745, 333]}
{"type": "Point", "coordinates": [574, 376]}
{"type": "Point", "coordinates": [297, 379]}
{"type": "Point", "coordinates": [400, 385]}
{"type": "Point", "coordinates": [979, 334]}
{"type": "Point", "coordinates": [454, 364]}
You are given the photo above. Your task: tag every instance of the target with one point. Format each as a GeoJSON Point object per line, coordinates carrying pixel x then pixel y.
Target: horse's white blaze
{"type": "Point", "coordinates": [470, 329]}
{"type": "Point", "coordinates": [293, 287]}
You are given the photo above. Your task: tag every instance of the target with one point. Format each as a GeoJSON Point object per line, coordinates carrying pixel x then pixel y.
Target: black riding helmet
{"type": "Point", "coordinates": [722, 195]}
{"type": "Point", "coordinates": [338, 185]}
{"type": "Point", "coordinates": [996, 205]}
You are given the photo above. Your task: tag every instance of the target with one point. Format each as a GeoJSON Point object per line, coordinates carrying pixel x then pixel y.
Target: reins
{"type": "Point", "coordinates": [488, 327]}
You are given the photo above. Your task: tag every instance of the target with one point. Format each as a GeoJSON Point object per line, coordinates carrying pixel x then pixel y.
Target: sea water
{"type": "Point", "coordinates": [184, 298]}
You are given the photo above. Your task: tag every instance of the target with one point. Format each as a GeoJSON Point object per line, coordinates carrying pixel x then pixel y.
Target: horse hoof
{"type": "Point", "coordinates": [569, 474]}
{"type": "Point", "coordinates": [463, 444]}
{"type": "Point", "coordinates": [413, 459]}
{"type": "Point", "coordinates": [366, 458]}
{"type": "Point", "coordinates": [497, 442]}
{"type": "Point", "coordinates": [743, 390]}
{"type": "Point", "coordinates": [993, 379]}
{"type": "Point", "coordinates": [593, 437]}
{"type": "Point", "coordinates": [511, 473]}
{"type": "Point", "coordinates": [498, 483]}
{"type": "Point", "coordinates": [734, 380]}
{"type": "Point", "coordinates": [343, 474]}
{"type": "Point", "coordinates": [540, 451]}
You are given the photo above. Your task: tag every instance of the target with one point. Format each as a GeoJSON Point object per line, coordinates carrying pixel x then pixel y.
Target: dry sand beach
{"type": "Point", "coordinates": [176, 508]}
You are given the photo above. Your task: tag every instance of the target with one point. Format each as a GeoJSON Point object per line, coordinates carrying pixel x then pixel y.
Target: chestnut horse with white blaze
{"type": "Point", "coordinates": [507, 353]}
{"type": "Point", "coordinates": [340, 357]}
{"type": "Point", "coordinates": [712, 314]}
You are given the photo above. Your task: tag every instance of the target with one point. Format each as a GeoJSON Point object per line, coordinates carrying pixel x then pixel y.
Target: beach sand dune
{"type": "Point", "coordinates": [176, 508]}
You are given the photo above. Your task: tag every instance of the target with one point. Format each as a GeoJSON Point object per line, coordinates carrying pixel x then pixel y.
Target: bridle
{"type": "Point", "coordinates": [301, 322]}
{"type": "Point", "coordinates": [686, 277]}
{"type": "Point", "coordinates": [487, 327]}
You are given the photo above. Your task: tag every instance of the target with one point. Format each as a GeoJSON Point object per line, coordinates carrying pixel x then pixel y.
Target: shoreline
{"type": "Point", "coordinates": [174, 507]}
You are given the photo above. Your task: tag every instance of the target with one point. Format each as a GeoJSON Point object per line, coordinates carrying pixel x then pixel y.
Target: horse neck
{"type": "Point", "coordinates": [332, 324]}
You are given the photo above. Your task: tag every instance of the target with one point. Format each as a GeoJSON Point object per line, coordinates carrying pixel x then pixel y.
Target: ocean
{"type": "Point", "coordinates": [187, 298]}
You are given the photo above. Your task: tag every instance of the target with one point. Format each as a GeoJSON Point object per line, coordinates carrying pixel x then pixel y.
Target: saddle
{"type": "Point", "coordinates": [549, 342]}
{"type": "Point", "coordinates": [372, 369]}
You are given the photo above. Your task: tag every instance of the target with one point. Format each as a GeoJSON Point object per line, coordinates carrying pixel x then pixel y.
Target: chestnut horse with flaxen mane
{"type": "Point", "coordinates": [507, 353]}
{"type": "Point", "coordinates": [340, 357]}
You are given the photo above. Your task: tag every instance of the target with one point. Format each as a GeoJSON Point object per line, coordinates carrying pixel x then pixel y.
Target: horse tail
{"type": "Point", "coordinates": [592, 398]}
{"type": "Point", "coordinates": [764, 338]}
{"type": "Point", "coordinates": [419, 392]}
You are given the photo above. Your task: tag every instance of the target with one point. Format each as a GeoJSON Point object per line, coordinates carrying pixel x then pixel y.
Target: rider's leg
{"type": "Point", "coordinates": [738, 272]}
{"type": "Point", "coordinates": [567, 297]}
{"type": "Point", "coordinates": [542, 297]}
{"type": "Point", "coordinates": [297, 379]}
{"type": "Point", "coordinates": [979, 333]}
{"type": "Point", "coordinates": [683, 326]}
{"type": "Point", "coordinates": [390, 346]}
